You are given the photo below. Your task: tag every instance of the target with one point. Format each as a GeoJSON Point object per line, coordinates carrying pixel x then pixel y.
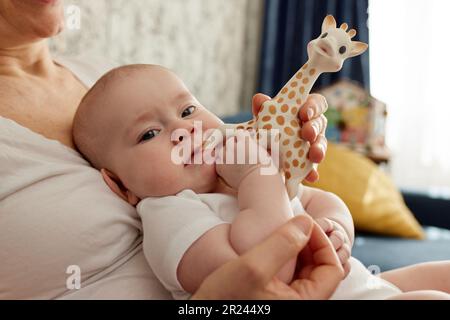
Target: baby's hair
{"type": "Point", "coordinates": [87, 126]}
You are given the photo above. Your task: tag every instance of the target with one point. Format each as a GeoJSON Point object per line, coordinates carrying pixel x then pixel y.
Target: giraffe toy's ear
{"type": "Point", "coordinates": [358, 48]}
{"type": "Point", "coordinates": [328, 23]}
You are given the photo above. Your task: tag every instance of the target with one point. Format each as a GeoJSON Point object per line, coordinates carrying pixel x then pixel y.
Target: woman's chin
{"type": "Point", "coordinates": [39, 34]}
{"type": "Point", "coordinates": [36, 19]}
{"type": "Point", "coordinates": [48, 29]}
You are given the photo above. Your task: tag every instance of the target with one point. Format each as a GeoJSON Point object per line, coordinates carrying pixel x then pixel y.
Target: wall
{"type": "Point", "coordinates": [213, 45]}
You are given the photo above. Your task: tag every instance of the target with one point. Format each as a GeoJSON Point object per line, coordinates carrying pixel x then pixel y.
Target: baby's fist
{"type": "Point", "coordinates": [339, 239]}
{"type": "Point", "coordinates": [245, 160]}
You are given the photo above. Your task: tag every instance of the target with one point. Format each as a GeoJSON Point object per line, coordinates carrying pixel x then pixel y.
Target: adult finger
{"type": "Point", "coordinates": [258, 101]}
{"type": "Point", "coordinates": [347, 268]}
{"type": "Point", "coordinates": [327, 271]}
{"type": "Point", "coordinates": [321, 248]}
{"type": "Point", "coordinates": [318, 150]}
{"type": "Point", "coordinates": [314, 106]}
{"type": "Point", "coordinates": [313, 176]}
{"type": "Point", "coordinates": [305, 263]}
{"type": "Point", "coordinates": [313, 128]}
{"type": "Point", "coordinates": [282, 246]}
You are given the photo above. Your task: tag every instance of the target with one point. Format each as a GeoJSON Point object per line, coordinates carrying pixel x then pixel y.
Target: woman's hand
{"type": "Point", "coordinates": [252, 276]}
{"type": "Point", "coordinates": [314, 125]}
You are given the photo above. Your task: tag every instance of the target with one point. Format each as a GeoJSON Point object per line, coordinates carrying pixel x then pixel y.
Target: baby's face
{"type": "Point", "coordinates": [145, 109]}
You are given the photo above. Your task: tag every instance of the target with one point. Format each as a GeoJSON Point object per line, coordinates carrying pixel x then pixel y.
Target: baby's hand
{"type": "Point", "coordinates": [340, 240]}
{"type": "Point", "coordinates": [253, 158]}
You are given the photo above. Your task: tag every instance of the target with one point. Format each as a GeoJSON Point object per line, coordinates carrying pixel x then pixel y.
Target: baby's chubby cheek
{"type": "Point", "coordinates": [161, 178]}
{"type": "Point", "coordinates": [156, 182]}
{"type": "Point", "coordinates": [166, 183]}
{"type": "Point", "coordinates": [149, 172]}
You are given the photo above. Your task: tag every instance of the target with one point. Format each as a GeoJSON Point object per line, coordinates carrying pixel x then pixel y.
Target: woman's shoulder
{"type": "Point", "coordinates": [87, 68]}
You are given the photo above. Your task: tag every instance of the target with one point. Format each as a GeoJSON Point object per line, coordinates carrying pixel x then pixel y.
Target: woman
{"type": "Point", "coordinates": [56, 214]}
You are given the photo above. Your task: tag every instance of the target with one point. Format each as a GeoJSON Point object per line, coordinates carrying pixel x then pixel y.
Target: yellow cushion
{"type": "Point", "coordinates": [374, 201]}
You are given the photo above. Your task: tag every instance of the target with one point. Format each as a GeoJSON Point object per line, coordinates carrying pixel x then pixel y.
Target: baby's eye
{"type": "Point", "coordinates": [149, 135]}
{"type": "Point", "coordinates": [188, 111]}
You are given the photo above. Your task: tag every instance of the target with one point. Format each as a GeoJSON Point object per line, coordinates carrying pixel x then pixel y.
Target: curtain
{"type": "Point", "coordinates": [289, 25]}
{"type": "Point", "coordinates": [410, 72]}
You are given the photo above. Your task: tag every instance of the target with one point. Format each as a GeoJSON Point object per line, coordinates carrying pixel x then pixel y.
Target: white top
{"type": "Point", "coordinates": [56, 211]}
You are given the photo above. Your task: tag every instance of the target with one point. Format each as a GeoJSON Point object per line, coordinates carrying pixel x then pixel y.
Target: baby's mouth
{"type": "Point", "coordinates": [208, 143]}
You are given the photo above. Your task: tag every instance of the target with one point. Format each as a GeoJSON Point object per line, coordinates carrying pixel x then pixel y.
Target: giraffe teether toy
{"type": "Point", "coordinates": [326, 54]}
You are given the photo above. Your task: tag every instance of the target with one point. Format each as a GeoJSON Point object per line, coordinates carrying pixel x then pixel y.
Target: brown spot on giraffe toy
{"type": "Point", "coordinates": [326, 54]}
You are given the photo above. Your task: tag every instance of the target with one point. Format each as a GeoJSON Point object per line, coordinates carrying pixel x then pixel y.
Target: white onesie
{"type": "Point", "coordinates": [172, 224]}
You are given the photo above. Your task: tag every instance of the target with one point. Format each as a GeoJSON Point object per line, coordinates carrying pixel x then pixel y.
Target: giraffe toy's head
{"type": "Point", "coordinates": [334, 46]}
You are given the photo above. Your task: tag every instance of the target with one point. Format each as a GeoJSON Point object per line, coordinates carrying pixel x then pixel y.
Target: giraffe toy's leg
{"type": "Point", "coordinates": [292, 186]}
{"type": "Point", "coordinates": [295, 176]}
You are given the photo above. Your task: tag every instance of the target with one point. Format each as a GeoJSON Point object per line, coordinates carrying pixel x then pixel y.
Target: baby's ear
{"type": "Point", "coordinates": [118, 188]}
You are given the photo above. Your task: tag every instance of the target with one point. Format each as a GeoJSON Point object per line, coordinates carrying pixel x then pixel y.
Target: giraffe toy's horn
{"type": "Point", "coordinates": [344, 27]}
{"type": "Point", "coordinates": [352, 33]}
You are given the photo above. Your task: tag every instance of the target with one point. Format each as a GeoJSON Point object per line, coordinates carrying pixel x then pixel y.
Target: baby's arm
{"type": "Point", "coordinates": [264, 206]}
{"type": "Point", "coordinates": [262, 197]}
{"type": "Point", "coordinates": [207, 254]}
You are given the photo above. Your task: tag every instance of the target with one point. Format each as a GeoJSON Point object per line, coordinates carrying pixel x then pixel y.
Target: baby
{"type": "Point", "coordinates": [198, 216]}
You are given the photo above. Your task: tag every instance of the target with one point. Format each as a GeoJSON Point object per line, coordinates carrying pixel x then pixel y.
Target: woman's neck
{"type": "Point", "coordinates": [32, 59]}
